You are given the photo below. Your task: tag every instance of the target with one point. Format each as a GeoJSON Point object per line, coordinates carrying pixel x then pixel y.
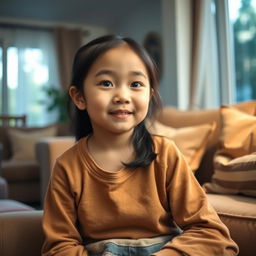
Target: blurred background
{"type": "Point", "coordinates": [205, 50]}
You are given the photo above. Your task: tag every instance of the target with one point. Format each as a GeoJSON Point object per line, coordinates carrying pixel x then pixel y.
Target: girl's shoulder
{"type": "Point", "coordinates": [163, 143]}
{"type": "Point", "coordinates": [168, 155]}
{"type": "Point", "coordinates": [68, 167]}
{"type": "Point", "coordinates": [72, 153]}
{"type": "Point", "coordinates": [165, 148]}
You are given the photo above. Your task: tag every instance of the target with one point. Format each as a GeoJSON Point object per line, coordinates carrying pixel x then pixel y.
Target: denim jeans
{"type": "Point", "coordinates": [127, 247]}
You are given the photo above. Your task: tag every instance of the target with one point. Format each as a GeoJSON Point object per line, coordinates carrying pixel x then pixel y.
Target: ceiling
{"type": "Point", "coordinates": [106, 13]}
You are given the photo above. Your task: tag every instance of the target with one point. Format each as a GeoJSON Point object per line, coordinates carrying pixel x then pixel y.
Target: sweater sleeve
{"type": "Point", "coordinates": [62, 237]}
{"type": "Point", "coordinates": [203, 232]}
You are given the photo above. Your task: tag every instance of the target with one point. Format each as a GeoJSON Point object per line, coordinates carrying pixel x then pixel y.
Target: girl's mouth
{"type": "Point", "coordinates": [121, 113]}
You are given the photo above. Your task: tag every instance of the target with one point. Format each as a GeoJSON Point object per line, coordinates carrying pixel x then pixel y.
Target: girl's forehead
{"type": "Point", "coordinates": [122, 56]}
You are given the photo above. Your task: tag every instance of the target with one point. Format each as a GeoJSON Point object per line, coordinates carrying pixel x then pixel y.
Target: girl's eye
{"type": "Point", "coordinates": [106, 83]}
{"type": "Point", "coordinates": [136, 84]}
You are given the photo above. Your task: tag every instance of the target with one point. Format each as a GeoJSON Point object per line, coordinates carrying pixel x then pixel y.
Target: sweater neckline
{"type": "Point", "coordinates": [98, 171]}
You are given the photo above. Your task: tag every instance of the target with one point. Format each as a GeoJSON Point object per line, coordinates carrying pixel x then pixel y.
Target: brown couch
{"type": "Point", "coordinates": [23, 176]}
{"type": "Point", "coordinates": [21, 233]}
{"type": "Point", "coordinates": [236, 211]}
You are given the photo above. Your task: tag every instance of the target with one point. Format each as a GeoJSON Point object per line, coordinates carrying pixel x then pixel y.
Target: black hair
{"type": "Point", "coordinates": [84, 58]}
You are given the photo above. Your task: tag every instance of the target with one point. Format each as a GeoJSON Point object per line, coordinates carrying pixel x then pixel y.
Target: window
{"type": "Point", "coordinates": [27, 66]}
{"type": "Point", "coordinates": [242, 15]}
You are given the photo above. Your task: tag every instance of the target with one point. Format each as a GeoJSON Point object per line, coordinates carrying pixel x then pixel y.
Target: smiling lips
{"type": "Point", "coordinates": [120, 113]}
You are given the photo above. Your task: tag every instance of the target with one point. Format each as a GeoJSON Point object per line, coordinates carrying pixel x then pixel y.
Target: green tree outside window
{"type": "Point", "coordinates": [245, 51]}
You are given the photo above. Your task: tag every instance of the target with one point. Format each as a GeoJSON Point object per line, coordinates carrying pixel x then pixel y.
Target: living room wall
{"type": "Point", "coordinates": [144, 19]}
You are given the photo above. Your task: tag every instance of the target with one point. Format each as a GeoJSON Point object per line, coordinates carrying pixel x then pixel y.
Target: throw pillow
{"type": "Point", "coordinates": [238, 136]}
{"type": "Point", "coordinates": [234, 161]}
{"type": "Point", "coordinates": [233, 176]}
{"type": "Point", "coordinates": [191, 141]}
{"type": "Point", "coordinates": [23, 141]}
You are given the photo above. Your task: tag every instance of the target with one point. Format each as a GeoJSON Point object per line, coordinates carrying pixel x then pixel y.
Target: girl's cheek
{"type": "Point", "coordinates": [145, 99]}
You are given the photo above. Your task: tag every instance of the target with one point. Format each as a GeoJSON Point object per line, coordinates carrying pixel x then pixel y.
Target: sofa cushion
{"type": "Point", "coordinates": [234, 176]}
{"type": "Point", "coordinates": [6, 142]}
{"type": "Point", "coordinates": [239, 215]}
{"type": "Point", "coordinates": [234, 162]}
{"type": "Point", "coordinates": [7, 205]}
{"type": "Point", "coordinates": [20, 170]}
{"type": "Point", "coordinates": [191, 141]}
{"type": "Point", "coordinates": [238, 136]}
{"type": "Point", "coordinates": [23, 141]}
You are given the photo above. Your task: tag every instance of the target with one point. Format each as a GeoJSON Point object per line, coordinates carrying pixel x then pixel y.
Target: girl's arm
{"type": "Point", "coordinates": [62, 237]}
{"type": "Point", "coordinates": [203, 232]}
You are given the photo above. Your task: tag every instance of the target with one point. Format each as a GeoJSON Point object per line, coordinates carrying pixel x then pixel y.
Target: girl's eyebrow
{"type": "Point", "coordinates": [138, 73]}
{"type": "Point", "coordinates": [110, 72]}
{"type": "Point", "coordinates": [105, 72]}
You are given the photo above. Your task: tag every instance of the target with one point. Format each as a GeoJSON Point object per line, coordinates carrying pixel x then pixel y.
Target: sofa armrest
{"type": "Point", "coordinates": [47, 151]}
{"type": "Point", "coordinates": [21, 233]}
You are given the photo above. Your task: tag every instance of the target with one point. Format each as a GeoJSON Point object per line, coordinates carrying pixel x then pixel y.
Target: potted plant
{"type": "Point", "coordinates": [57, 100]}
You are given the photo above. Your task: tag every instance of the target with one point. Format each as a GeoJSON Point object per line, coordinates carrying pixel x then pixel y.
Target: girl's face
{"type": "Point", "coordinates": [116, 91]}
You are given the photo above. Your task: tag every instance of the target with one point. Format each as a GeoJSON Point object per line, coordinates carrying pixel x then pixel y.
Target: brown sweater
{"type": "Point", "coordinates": [84, 203]}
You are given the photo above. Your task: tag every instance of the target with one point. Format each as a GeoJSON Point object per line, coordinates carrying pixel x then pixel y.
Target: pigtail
{"type": "Point", "coordinates": [144, 147]}
{"type": "Point", "coordinates": [83, 125]}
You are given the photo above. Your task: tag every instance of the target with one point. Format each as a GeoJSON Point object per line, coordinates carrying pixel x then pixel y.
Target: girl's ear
{"type": "Point", "coordinates": [152, 92]}
{"type": "Point", "coordinates": [77, 98]}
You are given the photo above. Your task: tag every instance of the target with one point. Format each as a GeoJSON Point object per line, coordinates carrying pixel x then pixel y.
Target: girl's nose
{"type": "Point", "coordinates": [118, 99]}
{"type": "Point", "coordinates": [121, 96]}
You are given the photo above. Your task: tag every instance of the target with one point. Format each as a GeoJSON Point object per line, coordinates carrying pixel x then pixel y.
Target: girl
{"type": "Point", "coordinates": [120, 190]}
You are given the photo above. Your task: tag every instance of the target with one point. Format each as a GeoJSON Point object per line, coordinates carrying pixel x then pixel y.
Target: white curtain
{"type": "Point", "coordinates": [204, 88]}
{"type": "Point", "coordinates": [191, 68]}
{"type": "Point", "coordinates": [31, 67]}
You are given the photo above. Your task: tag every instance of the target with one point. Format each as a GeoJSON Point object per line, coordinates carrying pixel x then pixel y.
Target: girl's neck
{"type": "Point", "coordinates": [110, 152]}
{"type": "Point", "coordinates": [111, 141]}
